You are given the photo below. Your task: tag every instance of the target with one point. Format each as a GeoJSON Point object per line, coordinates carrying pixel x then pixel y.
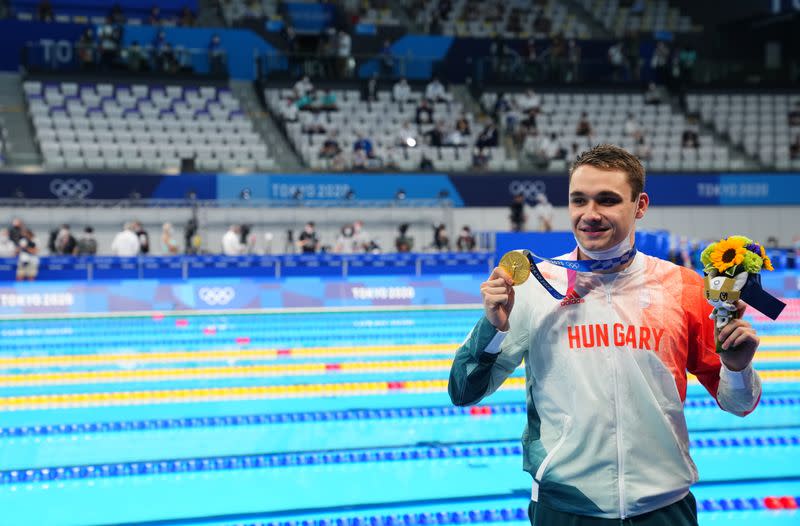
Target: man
{"type": "Point", "coordinates": [606, 438]}
{"type": "Point", "coordinates": [231, 241]}
{"type": "Point", "coordinates": [126, 243]}
{"type": "Point", "coordinates": [544, 212]}
{"type": "Point", "coordinates": [308, 242]}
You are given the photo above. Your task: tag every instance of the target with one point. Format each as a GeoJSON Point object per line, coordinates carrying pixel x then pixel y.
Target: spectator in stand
{"type": "Point", "coordinates": [632, 127]}
{"type": "Point", "coordinates": [558, 58]}
{"type": "Point", "coordinates": [488, 137]}
{"type": "Point", "coordinates": [424, 113]}
{"type": "Point", "coordinates": [16, 230]}
{"type": "Point", "coordinates": [87, 244]}
{"type": "Point", "coordinates": [7, 247]}
{"type": "Point", "coordinates": [551, 148]}
{"type": "Point", "coordinates": [480, 158]}
{"type": "Point", "coordinates": [27, 257]}
{"type": "Point", "coordinates": [642, 150]}
{"type": "Point", "coordinates": [65, 242]}
{"type": "Point", "coordinates": [217, 62]}
{"type": "Point", "coordinates": [143, 237]}
{"type": "Point", "coordinates": [401, 91]}
{"type": "Point", "coordinates": [531, 146]}
{"type": "Point", "coordinates": [518, 213]}
{"type": "Point", "coordinates": [690, 139]}
{"type": "Point", "coordinates": [619, 67]}
{"type": "Point", "coordinates": [326, 101]}
{"type": "Point", "coordinates": [110, 37]}
{"type": "Point", "coordinates": [387, 60]}
{"type": "Point", "coordinates": [126, 243]}
{"type": "Point", "coordinates": [532, 66]}
{"type": "Point", "coordinates": [794, 148]}
{"type": "Point", "coordinates": [362, 239]}
{"type": "Point", "coordinates": [343, 54]}
{"type": "Point", "coordinates": [288, 111]}
{"type": "Point", "coordinates": [369, 91]}
{"type": "Point", "coordinates": [364, 153]}
{"type": "Point", "coordinates": [403, 242]}
{"type": "Point", "coordinates": [407, 136]}
{"type": "Point", "coordinates": [331, 152]}
{"type": "Point", "coordinates": [155, 16]}
{"type": "Point", "coordinates": [463, 127]}
{"type": "Point", "coordinates": [652, 95]}
{"type": "Point", "coordinates": [574, 61]}
{"type": "Point", "coordinates": [346, 242]}
{"type": "Point", "coordinates": [303, 87]}
{"type": "Point", "coordinates": [232, 241]}
{"type": "Point", "coordinates": [466, 241]}
{"type": "Point", "coordinates": [659, 63]}
{"type": "Point", "coordinates": [169, 245]}
{"type": "Point", "coordinates": [543, 211]}
{"type": "Point", "coordinates": [529, 102]}
{"type": "Point", "coordinates": [584, 127]}
{"type": "Point", "coordinates": [435, 92]}
{"type": "Point", "coordinates": [86, 49]}
{"type": "Point", "coordinates": [436, 135]}
{"type": "Point", "coordinates": [135, 57]}
{"type": "Point", "coordinates": [44, 11]}
{"type": "Point", "coordinates": [187, 18]}
{"type": "Point", "coordinates": [307, 241]}
{"type": "Point", "coordinates": [192, 242]}
{"type": "Point", "coordinates": [441, 241]}
{"type": "Point", "coordinates": [794, 115]}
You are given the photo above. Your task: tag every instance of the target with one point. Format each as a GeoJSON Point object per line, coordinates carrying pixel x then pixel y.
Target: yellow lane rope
{"type": "Point", "coordinates": [219, 394]}
{"type": "Point", "coordinates": [233, 355]}
{"type": "Point", "coordinates": [221, 372]}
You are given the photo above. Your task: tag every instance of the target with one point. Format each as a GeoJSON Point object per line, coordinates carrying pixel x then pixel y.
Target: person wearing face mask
{"type": "Point", "coordinates": [606, 440]}
{"type": "Point", "coordinates": [345, 243]}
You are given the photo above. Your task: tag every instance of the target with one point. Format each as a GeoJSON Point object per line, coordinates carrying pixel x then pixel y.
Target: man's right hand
{"type": "Point", "coordinates": [498, 298]}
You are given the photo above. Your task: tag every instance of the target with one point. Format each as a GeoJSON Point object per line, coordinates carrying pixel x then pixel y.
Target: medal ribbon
{"type": "Point", "coordinates": [587, 265]}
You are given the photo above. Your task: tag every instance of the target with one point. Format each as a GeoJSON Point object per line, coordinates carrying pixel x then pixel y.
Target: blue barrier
{"type": "Point", "coordinates": [66, 268]}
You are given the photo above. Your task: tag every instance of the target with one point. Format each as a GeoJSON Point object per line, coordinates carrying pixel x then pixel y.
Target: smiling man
{"type": "Point", "coordinates": [606, 368]}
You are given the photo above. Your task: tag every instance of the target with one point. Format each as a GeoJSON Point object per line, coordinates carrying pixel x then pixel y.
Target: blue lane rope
{"type": "Point", "coordinates": [302, 417]}
{"type": "Point", "coordinates": [279, 460]}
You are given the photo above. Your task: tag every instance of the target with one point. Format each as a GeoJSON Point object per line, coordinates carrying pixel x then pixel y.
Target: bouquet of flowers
{"type": "Point", "coordinates": [732, 269]}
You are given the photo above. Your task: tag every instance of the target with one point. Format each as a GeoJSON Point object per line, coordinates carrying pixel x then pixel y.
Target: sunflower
{"type": "Point", "coordinates": [765, 257]}
{"type": "Point", "coordinates": [727, 253]}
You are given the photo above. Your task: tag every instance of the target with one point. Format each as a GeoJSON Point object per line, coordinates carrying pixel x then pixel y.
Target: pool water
{"type": "Point", "coordinates": [333, 418]}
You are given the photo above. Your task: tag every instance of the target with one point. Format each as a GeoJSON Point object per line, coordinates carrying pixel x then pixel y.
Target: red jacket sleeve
{"type": "Point", "coordinates": [702, 359]}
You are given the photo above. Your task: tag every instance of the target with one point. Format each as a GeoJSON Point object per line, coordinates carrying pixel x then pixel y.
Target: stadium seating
{"type": "Point", "coordinates": [380, 121]}
{"type": "Point", "coordinates": [662, 127]}
{"type": "Point", "coordinates": [512, 19]}
{"type": "Point", "coordinates": [142, 127]}
{"type": "Point", "coordinates": [758, 123]}
{"type": "Point", "coordinates": [644, 16]}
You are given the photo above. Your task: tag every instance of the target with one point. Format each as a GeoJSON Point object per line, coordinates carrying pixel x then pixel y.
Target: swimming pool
{"type": "Point", "coordinates": [323, 418]}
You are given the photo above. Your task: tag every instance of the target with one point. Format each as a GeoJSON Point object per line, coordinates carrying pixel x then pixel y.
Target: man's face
{"type": "Point", "coordinates": [600, 207]}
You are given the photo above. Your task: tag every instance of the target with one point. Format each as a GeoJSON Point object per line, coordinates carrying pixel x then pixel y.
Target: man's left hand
{"type": "Point", "coordinates": [739, 341]}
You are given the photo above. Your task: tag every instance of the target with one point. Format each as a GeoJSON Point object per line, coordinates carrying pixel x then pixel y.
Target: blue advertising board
{"type": "Point", "coordinates": [335, 187]}
{"type": "Point", "coordinates": [473, 190]}
{"type": "Point", "coordinates": [55, 43]}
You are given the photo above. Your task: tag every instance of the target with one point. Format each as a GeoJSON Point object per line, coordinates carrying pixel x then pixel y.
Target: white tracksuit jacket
{"type": "Point", "coordinates": [605, 383]}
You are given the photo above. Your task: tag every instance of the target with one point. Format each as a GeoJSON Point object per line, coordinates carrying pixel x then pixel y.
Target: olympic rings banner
{"type": "Point", "coordinates": [476, 190]}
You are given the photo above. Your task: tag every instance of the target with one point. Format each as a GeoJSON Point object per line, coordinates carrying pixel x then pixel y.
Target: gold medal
{"type": "Point", "coordinates": [517, 266]}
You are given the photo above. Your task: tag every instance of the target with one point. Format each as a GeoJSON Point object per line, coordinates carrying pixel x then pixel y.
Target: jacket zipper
{"type": "Point", "coordinates": [620, 460]}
